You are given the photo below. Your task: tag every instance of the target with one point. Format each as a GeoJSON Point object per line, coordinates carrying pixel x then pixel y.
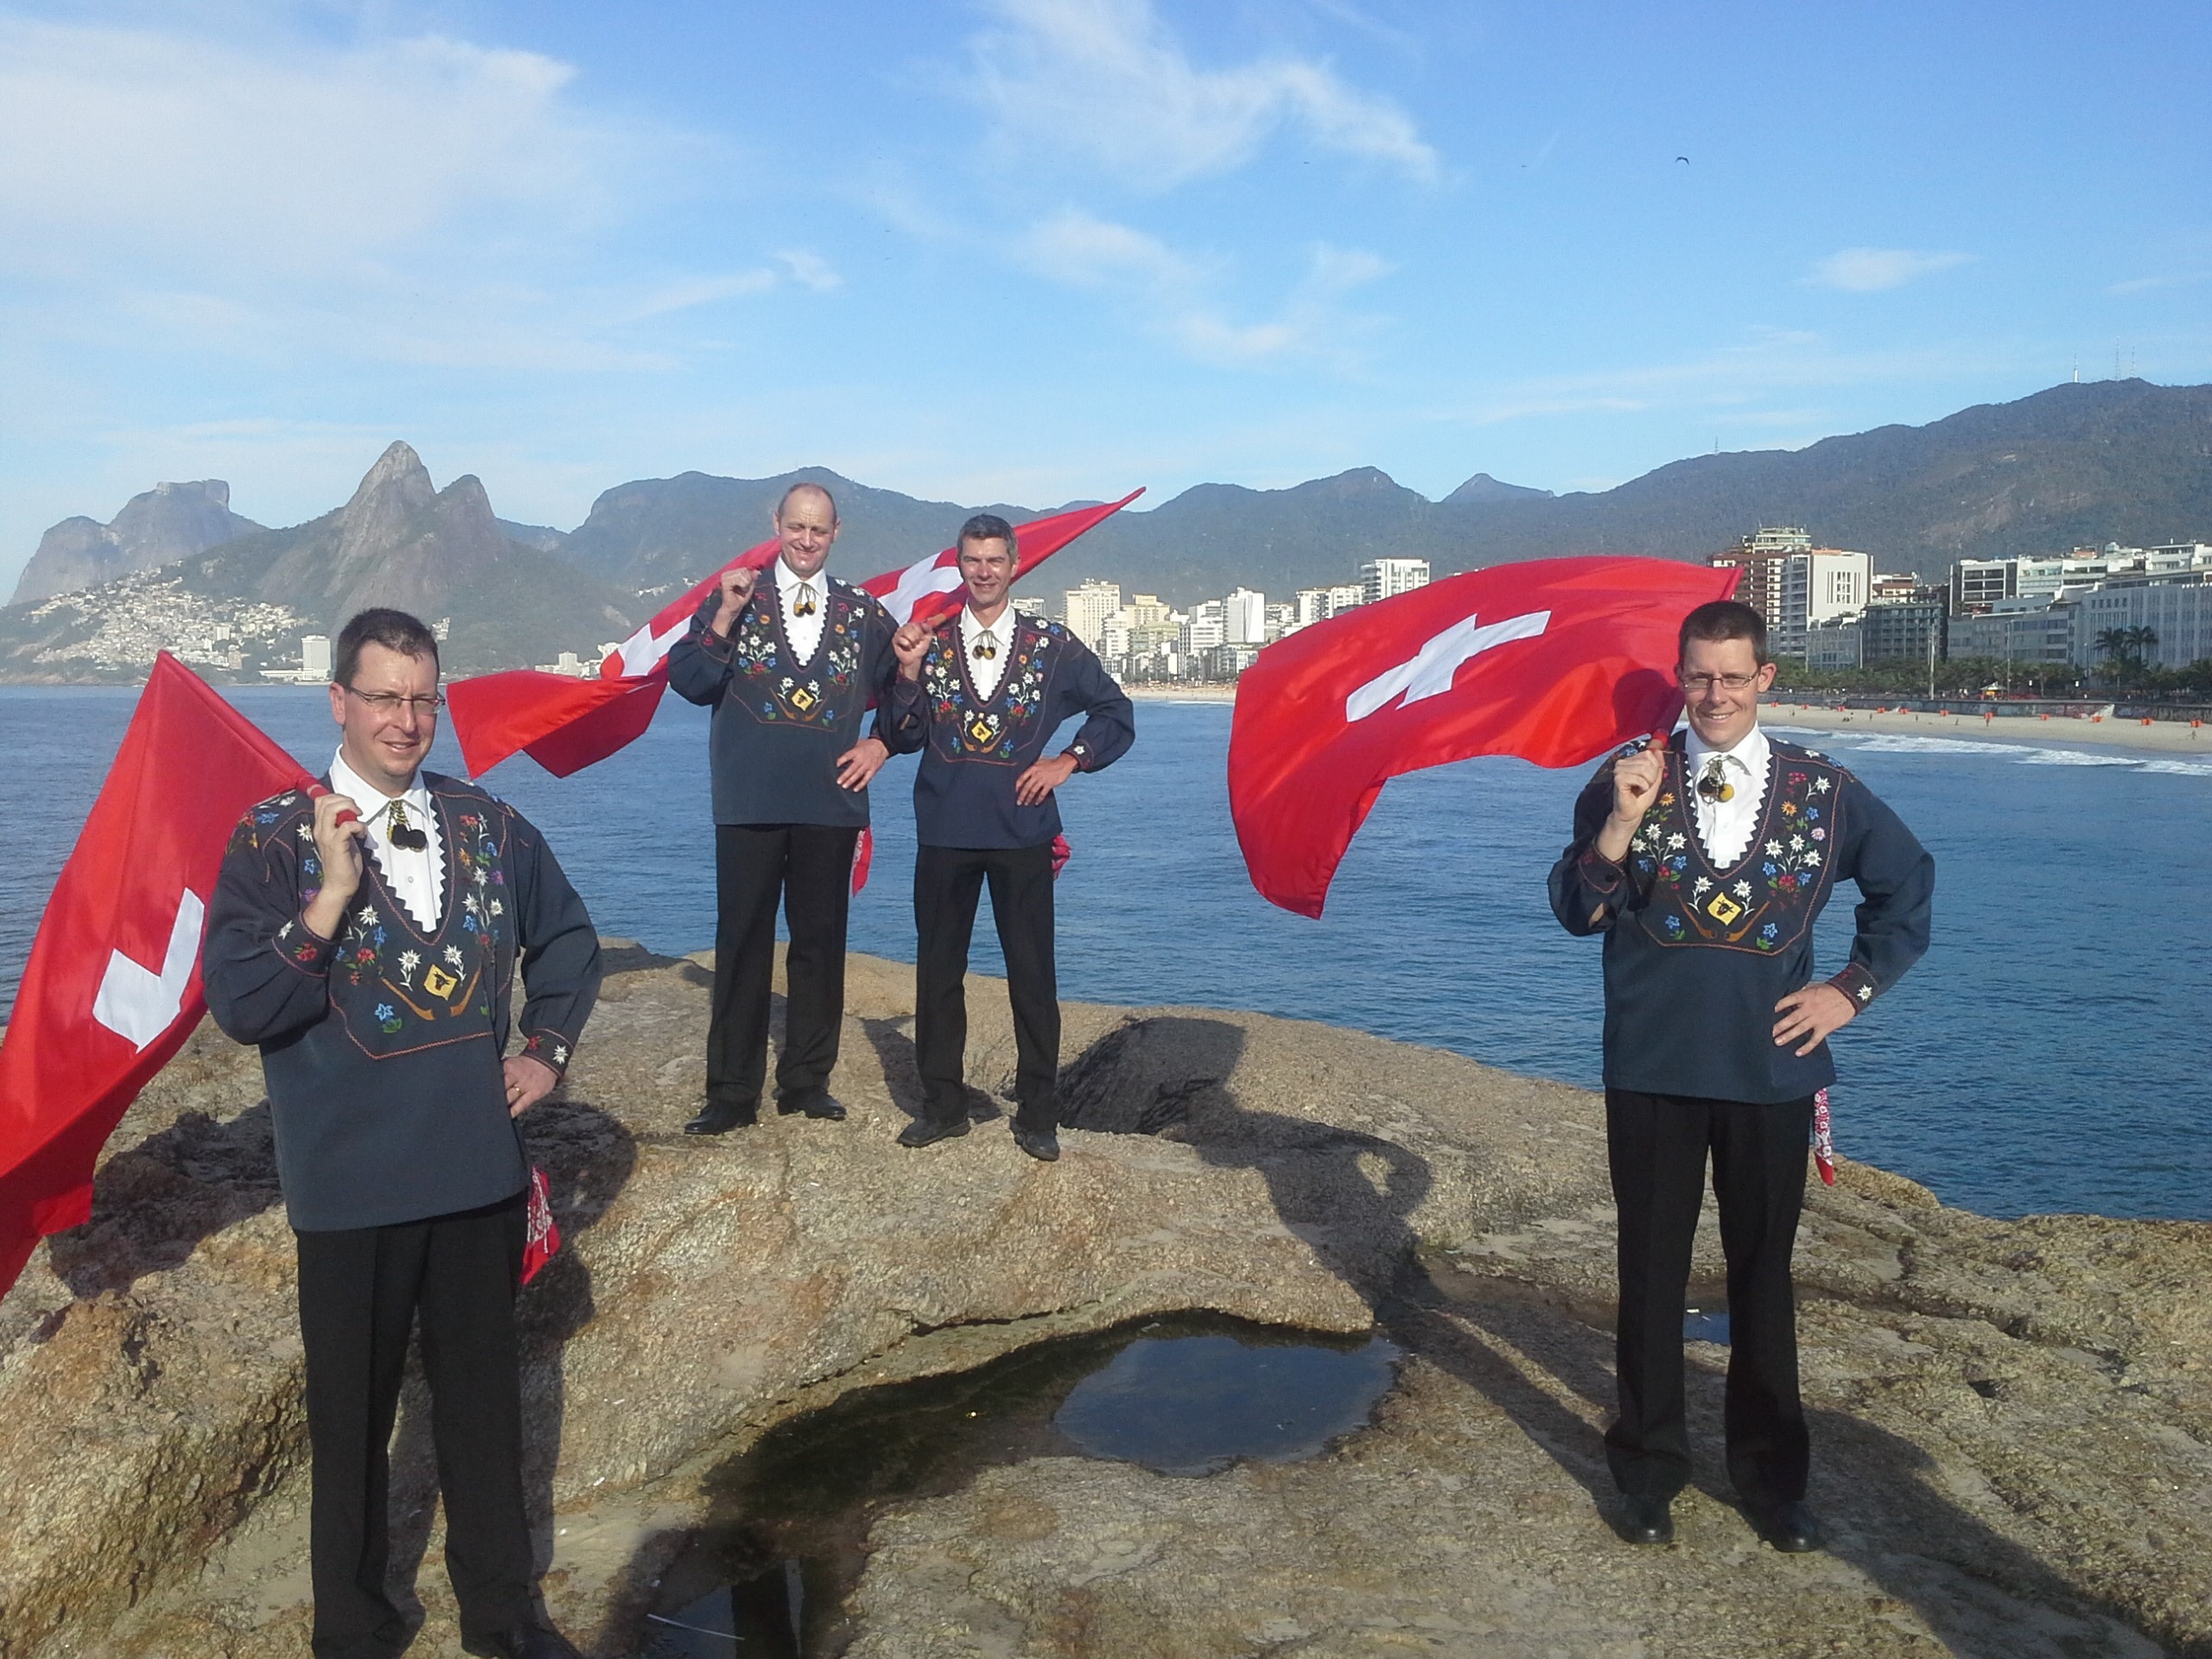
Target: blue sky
{"type": "Point", "coordinates": [1044, 249]}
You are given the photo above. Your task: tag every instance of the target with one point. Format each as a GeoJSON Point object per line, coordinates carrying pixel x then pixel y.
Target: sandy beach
{"type": "Point", "coordinates": [2164, 736]}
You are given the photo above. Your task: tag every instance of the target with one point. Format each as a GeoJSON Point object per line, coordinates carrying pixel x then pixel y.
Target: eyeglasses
{"type": "Point", "coordinates": [1698, 685]}
{"type": "Point", "coordinates": [389, 703]}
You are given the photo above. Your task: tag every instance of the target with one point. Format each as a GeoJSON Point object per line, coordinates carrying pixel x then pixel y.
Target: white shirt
{"type": "Point", "coordinates": [987, 671]}
{"type": "Point", "coordinates": [804, 632]}
{"type": "Point", "coordinates": [417, 876]}
{"type": "Point", "coordinates": [1726, 828]}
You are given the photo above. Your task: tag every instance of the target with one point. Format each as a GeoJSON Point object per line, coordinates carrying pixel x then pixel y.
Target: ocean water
{"type": "Point", "coordinates": [2050, 1053]}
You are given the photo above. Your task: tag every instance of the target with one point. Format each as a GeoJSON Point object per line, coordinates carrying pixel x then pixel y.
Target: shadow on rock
{"type": "Point", "coordinates": [893, 1042]}
{"type": "Point", "coordinates": [153, 1204]}
{"type": "Point", "coordinates": [1878, 1493]}
{"type": "Point", "coordinates": [1348, 1194]}
{"type": "Point", "coordinates": [587, 1156]}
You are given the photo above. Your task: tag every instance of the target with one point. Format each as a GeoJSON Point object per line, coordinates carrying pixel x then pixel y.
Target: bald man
{"type": "Point", "coordinates": [789, 659]}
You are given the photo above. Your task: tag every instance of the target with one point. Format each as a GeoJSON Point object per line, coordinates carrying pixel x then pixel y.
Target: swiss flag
{"type": "Point", "coordinates": [112, 987]}
{"type": "Point", "coordinates": [566, 724]}
{"type": "Point", "coordinates": [1555, 660]}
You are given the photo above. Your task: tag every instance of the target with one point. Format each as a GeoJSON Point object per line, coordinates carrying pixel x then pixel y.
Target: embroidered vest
{"type": "Point", "coordinates": [967, 726]}
{"type": "Point", "coordinates": [1767, 900]}
{"type": "Point", "coordinates": [398, 989]}
{"type": "Point", "coordinates": [768, 679]}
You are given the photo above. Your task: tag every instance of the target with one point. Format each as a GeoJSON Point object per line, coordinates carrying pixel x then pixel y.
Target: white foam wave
{"type": "Point", "coordinates": [2181, 768]}
{"type": "Point", "coordinates": [2023, 754]}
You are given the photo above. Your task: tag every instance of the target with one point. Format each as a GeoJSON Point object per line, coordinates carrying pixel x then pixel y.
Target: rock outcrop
{"type": "Point", "coordinates": [2012, 1417]}
{"type": "Point", "coordinates": [167, 522]}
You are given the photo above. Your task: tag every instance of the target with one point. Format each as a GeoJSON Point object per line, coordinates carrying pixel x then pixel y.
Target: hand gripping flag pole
{"type": "Point", "coordinates": [1553, 660]}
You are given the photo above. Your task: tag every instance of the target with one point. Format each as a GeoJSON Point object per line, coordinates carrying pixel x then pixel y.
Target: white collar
{"type": "Point", "coordinates": [1749, 751]}
{"type": "Point", "coordinates": [787, 577]}
{"type": "Point", "coordinates": [344, 780]}
{"type": "Point", "coordinates": [970, 626]}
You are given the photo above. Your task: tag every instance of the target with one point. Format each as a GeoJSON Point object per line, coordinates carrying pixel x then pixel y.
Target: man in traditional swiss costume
{"type": "Point", "coordinates": [367, 940]}
{"type": "Point", "coordinates": [980, 696]}
{"type": "Point", "coordinates": [1703, 863]}
{"type": "Point", "coordinates": [789, 662]}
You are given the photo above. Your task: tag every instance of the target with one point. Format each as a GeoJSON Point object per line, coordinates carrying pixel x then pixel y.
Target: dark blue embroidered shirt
{"type": "Point", "coordinates": [1696, 956]}
{"type": "Point", "coordinates": [382, 1047]}
{"type": "Point", "coordinates": [974, 747]}
{"type": "Point", "coordinates": [780, 723]}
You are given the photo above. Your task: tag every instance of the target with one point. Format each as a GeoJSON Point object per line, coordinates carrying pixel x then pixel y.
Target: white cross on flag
{"type": "Point", "coordinates": [112, 987]}
{"type": "Point", "coordinates": [1554, 660]}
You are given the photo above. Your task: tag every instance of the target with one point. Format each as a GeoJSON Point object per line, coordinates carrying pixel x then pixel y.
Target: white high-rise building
{"type": "Point", "coordinates": [1208, 628]}
{"type": "Point", "coordinates": [1817, 586]}
{"type": "Point", "coordinates": [1383, 578]}
{"type": "Point", "coordinates": [1088, 607]}
{"type": "Point", "coordinates": [1245, 618]}
{"type": "Point", "coordinates": [314, 659]}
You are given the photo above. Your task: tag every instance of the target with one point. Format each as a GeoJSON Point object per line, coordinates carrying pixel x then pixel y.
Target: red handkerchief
{"type": "Point", "coordinates": [542, 1239]}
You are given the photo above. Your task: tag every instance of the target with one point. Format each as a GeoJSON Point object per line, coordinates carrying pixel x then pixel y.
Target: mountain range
{"type": "Point", "coordinates": [2077, 464]}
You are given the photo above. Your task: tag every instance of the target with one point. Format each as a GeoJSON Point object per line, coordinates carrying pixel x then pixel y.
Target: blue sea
{"type": "Point", "coordinates": [2050, 1053]}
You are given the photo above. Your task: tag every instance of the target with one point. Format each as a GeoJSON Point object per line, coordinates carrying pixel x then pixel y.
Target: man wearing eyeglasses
{"type": "Point", "coordinates": [789, 660]}
{"type": "Point", "coordinates": [367, 939]}
{"type": "Point", "coordinates": [1703, 863]}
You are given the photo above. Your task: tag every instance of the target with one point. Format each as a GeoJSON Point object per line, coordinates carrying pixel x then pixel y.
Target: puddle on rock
{"type": "Point", "coordinates": [1187, 1395]}
{"type": "Point", "coordinates": [1706, 1322]}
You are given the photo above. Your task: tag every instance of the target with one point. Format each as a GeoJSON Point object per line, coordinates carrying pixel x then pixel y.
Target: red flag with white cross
{"type": "Point", "coordinates": [112, 987]}
{"type": "Point", "coordinates": [1553, 660]}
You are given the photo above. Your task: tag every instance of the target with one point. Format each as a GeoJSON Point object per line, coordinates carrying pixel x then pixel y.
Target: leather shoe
{"type": "Point", "coordinates": [523, 1642]}
{"type": "Point", "coordinates": [1043, 1145]}
{"type": "Point", "coordinates": [1789, 1527]}
{"type": "Point", "coordinates": [1646, 1519]}
{"type": "Point", "coordinates": [719, 1117]}
{"type": "Point", "coordinates": [926, 1131]}
{"type": "Point", "coordinates": [819, 1106]}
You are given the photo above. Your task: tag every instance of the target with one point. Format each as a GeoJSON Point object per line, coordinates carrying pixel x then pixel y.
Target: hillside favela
{"type": "Point", "coordinates": [1105, 829]}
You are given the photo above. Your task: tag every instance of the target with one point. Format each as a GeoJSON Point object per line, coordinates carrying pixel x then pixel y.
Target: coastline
{"type": "Point", "coordinates": [1154, 692]}
{"type": "Point", "coordinates": [2161, 737]}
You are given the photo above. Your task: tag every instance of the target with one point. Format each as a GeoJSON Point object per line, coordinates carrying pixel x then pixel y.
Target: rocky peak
{"type": "Point", "coordinates": [170, 522]}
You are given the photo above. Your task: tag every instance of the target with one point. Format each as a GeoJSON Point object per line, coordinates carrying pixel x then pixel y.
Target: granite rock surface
{"type": "Point", "coordinates": [2011, 1419]}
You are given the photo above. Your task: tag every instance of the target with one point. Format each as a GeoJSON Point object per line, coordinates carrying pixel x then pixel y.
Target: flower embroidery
{"type": "Point", "coordinates": [1702, 883]}
{"type": "Point", "coordinates": [368, 917]}
{"type": "Point", "coordinates": [307, 835]}
{"type": "Point", "coordinates": [1743, 889]}
{"type": "Point", "coordinates": [409, 961]}
{"type": "Point", "coordinates": [453, 956]}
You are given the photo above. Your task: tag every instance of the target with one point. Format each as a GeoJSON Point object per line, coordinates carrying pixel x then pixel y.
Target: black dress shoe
{"type": "Point", "coordinates": [1647, 1520]}
{"type": "Point", "coordinates": [523, 1642]}
{"type": "Point", "coordinates": [1041, 1144]}
{"type": "Point", "coordinates": [1789, 1527]}
{"type": "Point", "coordinates": [819, 1106]}
{"type": "Point", "coordinates": [719, 1117]}
{"type": "Point", "coordinates": [926, 1131]}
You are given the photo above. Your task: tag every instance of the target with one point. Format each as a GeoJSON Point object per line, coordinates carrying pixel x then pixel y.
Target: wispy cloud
{"type": "Point", "coordinates": [2173, 279]}
{"type": "Point", "coordinates": [1869, 270]}
{"type": "Point", "coordinates": [1109, 81]}
{"type": "Point", "coordinates": [188, 152]}
{"type": "Point", "coordinates": [1735, 377]}
{"type": "Point", "coordinates": [1174, 297]}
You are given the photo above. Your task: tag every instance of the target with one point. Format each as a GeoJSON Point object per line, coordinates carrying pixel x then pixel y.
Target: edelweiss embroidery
{"type": "Point", "coordinates": [778, 692]}
{"type": "Point", "coordinates": [1769, 904]}
{"type": "Point", "coordinates": [988, 728]}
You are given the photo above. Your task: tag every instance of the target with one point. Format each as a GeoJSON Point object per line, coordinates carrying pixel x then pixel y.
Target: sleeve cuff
{"type": "Point", "coordinates": [1856, 983]}
{"type": "Point", "coordinates": [303, 948]}
{"type": "Point", "coordinates": [1600, 874]}
{"type": "Point", "coordinates": [1079, 752]}
{"type": "Point", "coordinates": [549, 1048]}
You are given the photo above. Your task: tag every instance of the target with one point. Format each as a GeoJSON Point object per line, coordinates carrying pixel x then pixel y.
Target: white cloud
{"type": "Point", "coordinates": [1107, 79]}
{"type": "Point", "coordinates": [2146, 284]}
{"type": "Point", "coordinates": [1172, 295]}
{"type": "Point", "coordinates": [809, 269]}
{"type": "Point", "coordinates": [189, 152]}
{"type": "Point", "coordinates": [1868, 270]}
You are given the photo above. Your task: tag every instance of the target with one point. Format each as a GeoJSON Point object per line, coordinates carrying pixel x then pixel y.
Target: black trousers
{"type": "Point", "coordinates": [948, 880]}
{"type": "Point", "coordinates": [809, 866]}
{"type": "Point", "coordinates": [361, 1290]}
{"type": "Point", "coordinates": [1656, 1144]}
